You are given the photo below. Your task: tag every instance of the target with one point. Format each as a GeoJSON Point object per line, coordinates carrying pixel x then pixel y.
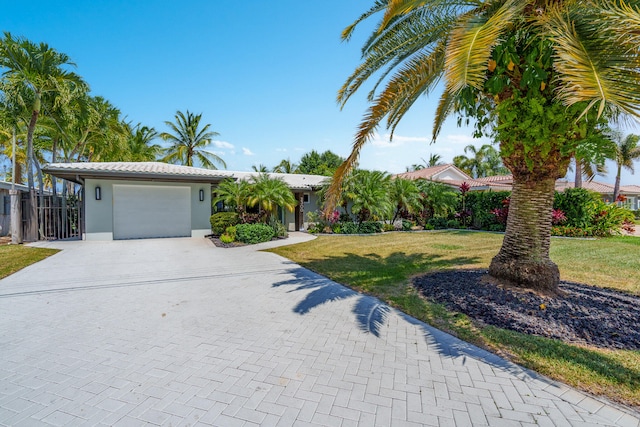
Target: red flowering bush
{"type": "Point", "coordinates": [558, 217]}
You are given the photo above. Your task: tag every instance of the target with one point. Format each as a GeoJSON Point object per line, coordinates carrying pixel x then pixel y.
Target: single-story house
{"type": "Point", "coordinates": [451, 175]}
{"type": "Point", "coordinates": [130, 200]}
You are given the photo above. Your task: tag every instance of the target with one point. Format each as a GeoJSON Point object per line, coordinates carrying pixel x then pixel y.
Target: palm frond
{"type": "Point", "coordinates": [591, 67]}
{"type": "Point", "coordinates": [471, 43]}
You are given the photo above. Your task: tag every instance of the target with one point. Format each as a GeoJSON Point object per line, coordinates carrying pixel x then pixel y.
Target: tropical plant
{"type": "Point", "coordinates": [405, 197]}
{"type": "Point", "coordinates": [269, 193]}
{"type": "Point", "coordinates": [532, 74]}
{"type": "Point", "coordinates": [286, 166]}
{"type": "Point", "coordinates": [368, 192]}
{"type": "Point", "coordinates": [233, 193]}
{"type": "Point", "coordinates": [35, 76]}
{"type": "Point", "coordinates": [139, 143]}
{"type": "Point", "coordinates": [437, 199]}
{"type": "Point", "coordinates": [188, 142]}
{"type": "Point", "coordinates": [626, 151]}
{"type": "Point", "coordinates": [260, 168]}
{"type": "Point", "coordinates": [482, 162]}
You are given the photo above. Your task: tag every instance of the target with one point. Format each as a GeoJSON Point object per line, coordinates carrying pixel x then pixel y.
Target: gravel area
{"type": "Point", "coordinates": [579, 314]}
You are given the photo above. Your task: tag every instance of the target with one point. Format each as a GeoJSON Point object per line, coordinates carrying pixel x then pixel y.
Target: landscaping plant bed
{"type": "Point", "coordinates": [580, 314]}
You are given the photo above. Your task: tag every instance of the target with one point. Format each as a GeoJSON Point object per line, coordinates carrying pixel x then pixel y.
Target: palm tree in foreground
{"type": "Point", "coordinates": [626, 151]}
{"type": "Point", "coordinates": [188, 142]}
{"type": "Point", "coordinates": [533, 74]}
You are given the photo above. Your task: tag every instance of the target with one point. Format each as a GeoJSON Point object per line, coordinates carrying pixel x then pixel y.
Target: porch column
{"type": "Point", "coordinates": [301, 211]}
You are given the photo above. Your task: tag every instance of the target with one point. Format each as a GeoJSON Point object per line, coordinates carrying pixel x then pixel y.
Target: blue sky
{"type": "Point", "coordinates": [264, 74]}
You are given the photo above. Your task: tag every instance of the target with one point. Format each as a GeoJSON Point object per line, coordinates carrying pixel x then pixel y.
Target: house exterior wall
{"type": "Point", "coordinates": [5, 212]}
{"type": "Point", "coordinates": [310, 206]}
{"type": "Point", "coordinates": [99, 213]}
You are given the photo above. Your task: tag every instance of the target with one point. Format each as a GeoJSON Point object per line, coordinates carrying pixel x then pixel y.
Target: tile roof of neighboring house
{"type": "Point", "coordinates": [163, 171]}
{"type": "Point", "coordinates": [430, 172]}
{"type": "Point", "coordinates": [630, 189]}
{"type": "Point", "coordinates": [505, 179]}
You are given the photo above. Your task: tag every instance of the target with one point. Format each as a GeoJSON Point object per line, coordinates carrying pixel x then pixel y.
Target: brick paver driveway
{"type": "Point", "coordinates": [178, 332]}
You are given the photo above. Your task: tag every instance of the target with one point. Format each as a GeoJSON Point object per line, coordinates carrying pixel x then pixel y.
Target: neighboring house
{"type": "Point", "coordinates": [5, 205]}
{"type": "Point", "coordinates": [451, 175]}
{"type": "Point", "coordinates": [130, 200]}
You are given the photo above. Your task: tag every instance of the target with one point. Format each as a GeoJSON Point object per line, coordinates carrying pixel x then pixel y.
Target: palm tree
{"type": "Point", "coordinates": [140, 148]}
{"type": "Point", "coordinates": [260, 168]}
{"type": "Point", "coordinates": [481, 163]}
{"type": "Point", "coordinates": [35, 76]}
{"type": "Point", "coordinates": [234, 194]}
{"type": "Point", "coordinates": [369, 193]}
{"type": "Point", "coordinates": [286, 166]}
{"type": "Point", "coordinates": [627, 150]}
{"type": "Point", "coordinates": [269, 193]}
{"type": "Point", "coordinates": [531, 73]}
{"type": "Point", "coordinates": [437, 199]}
{"type": "Point", "coordinates": [405, 196]}
{"type": "Point", "coordinates": [188, 142]}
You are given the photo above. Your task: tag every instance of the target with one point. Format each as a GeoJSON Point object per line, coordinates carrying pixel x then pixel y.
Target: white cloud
{"type": "Point", "coordinates": [281, 150]}
{"type": "Point", "coordinates": [247, 152]}
{"type": "Point", "coordinates": [397, 141]}
{"type": "Point", "coordinates": [222, 144]}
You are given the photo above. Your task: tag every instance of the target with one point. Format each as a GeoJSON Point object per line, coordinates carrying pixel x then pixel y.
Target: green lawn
{"type": "Point", "coordinates": [382, 265]}
{"type": "Point", "coordinates": [17, 257]}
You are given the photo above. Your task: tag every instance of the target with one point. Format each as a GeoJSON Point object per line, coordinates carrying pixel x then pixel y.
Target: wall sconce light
{"type": "Point", "coordinates": [98, 193]}
{"type": "Point", "coordinates": [201, 195]}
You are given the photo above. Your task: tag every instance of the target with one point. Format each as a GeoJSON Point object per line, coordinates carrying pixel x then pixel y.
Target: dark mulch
{"type": "Point", "coordinates": [579, 314]}
{"type": "Point", "coordinates": [216, 241]}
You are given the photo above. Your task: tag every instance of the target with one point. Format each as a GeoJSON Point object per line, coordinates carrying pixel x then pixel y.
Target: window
{"type": "Point", "coordinates": [305, 198]}
{"type": "Point", "coordinates": [5, 205]}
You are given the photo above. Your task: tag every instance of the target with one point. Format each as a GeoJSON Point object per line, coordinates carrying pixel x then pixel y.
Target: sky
{"type": "Point", "coordinates": [264, 74]}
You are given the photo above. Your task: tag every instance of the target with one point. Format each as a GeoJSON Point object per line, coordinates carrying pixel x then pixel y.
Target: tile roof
{"type": "Point", "coordinates": [158, 170]}
{"type": "Point", "coordinates": [428, 173]}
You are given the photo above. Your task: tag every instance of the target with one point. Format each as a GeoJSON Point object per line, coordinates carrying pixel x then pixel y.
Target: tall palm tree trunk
{"type": "Point", "coordinates": [578, 178]}
{"type": "Point", "coordinates": [524, 259]}
{"type": "Point", "coordinates": [31, 234]}
{"type": "Point", "coordinates": [616, 186]}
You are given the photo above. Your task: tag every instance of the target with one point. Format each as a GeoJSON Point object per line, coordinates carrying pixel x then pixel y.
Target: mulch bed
{"type": "Point", "coordinates": [216, 241]}
{"type": "Point", "coordinates": [579, 314]}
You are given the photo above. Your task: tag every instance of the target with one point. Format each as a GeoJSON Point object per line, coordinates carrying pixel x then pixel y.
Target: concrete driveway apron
{"type": "Point", "coordinates": [179, 332]}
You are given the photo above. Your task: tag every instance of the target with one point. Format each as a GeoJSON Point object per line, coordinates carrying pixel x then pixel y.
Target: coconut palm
{"type": "Point", "coordinates": [286, 166]}
{"type": "Point", "coordinates": [437, 199]}
{"type": "Point", "coordinates": [261, 168]}
{"type": "Point", "coordinates": [188, 142]}
{"type": "Point", "coordinates": [627, 150]}
{"type": "Point", "coordinates": [139, 143]}
{"type": "Point", "coordinates": [269, 193]}
{"type": "Point", "coordinates": [35, 76]}
{"type": "Point", "coordinates": [481, 162]}
{"type": "Point", "coordinates": [533, 74]}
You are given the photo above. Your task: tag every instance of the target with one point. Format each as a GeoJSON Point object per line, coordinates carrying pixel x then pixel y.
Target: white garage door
{"type": "Point", "coordinates": [141, 211]}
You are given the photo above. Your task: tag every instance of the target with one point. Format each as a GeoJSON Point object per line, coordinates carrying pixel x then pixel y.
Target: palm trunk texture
{"type": "Point", "coordinates": [524, 260]}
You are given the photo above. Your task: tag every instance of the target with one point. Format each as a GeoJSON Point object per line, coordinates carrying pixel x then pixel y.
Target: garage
{"type": "Point", "coordinates": [143, 211]}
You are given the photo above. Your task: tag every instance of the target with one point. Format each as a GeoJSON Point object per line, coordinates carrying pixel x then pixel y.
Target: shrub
{"type": "Point", "coordinates": [369, 227]}
{"type": "Point", "coordinates": [438, 223]}
{"type": "Point", "coordinates": [231, 231]}
{"type": "Point", "coordinates": [429, 227]}
{"type": "Point", "coordinates": [608, 219]}
{"type": "Point", "coordinates": [279, 230]}
{"type": "Point", "coordinates": [225, 238]}
{"type": "Point", "coordinates": [406, 225]}
{"type": "Point", "coordinates": [253, 233]}
{"type": "Point", "coordinates": [221, 220]}
{"type": "Point", "coordinates": [575, 203]}
{"type": "Point", "coordinates": [481, 204]}
{"type": "Point", "coordinates": [497, 227]}
{"type": "Point", "coordinates": [568, 231]}
{"type": "Point", "coordinates": [388, 227]}
{"type": "Point", "coordinates": [349, 228]}
{"type": "Point", "coordinates": [453, 223]}
{"type": "Point", "coordinates": [636, 214]}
